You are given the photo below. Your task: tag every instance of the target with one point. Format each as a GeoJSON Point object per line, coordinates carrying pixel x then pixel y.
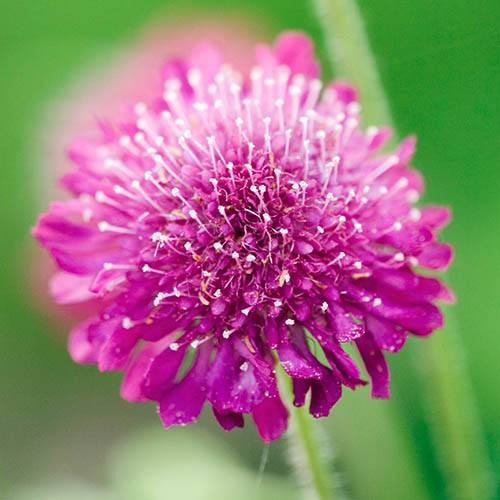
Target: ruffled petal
{"type": "Point", "coordinates": [300, 389]}
{"type": "Point", "coordinates": [324, 394]}
{"type": "Point", "coordinates": [296, 365]}
{"type": "Point", "coordinates": [293, 49]}
{"type": "Point", "coordinates": [387, 335]}
{"type": "Point", "coordinates": [160, 374]}
{"type": "Point", "coordinates": [228, 420]}
{"type": "Point", "coordinates": [344, 325]}
{"type": "Point", "coordinates": [296, 50]}
{"type": "Point", "coordinates": [67, 288]}
{"type": "Point", "coordinates": [436, 256]}
{"type": "Point", "coordinates": [376, 366]}
{"type": "Point", "coordinates": [80, 346]}
{"type": "Point", "coordinates": [132, 384]}
{"type": "Point", "coordinates": [183, 403]}
{"type": "Point", "coordinates": [421, 318]}
{"type": "Point", "coordinates": [434, 217]}
{"type": "Point", "coordinates": [410, 285]}
{"type": "Point", "coordinates": [271, 418]}
{"type": "Point", "coordinates": [116, 349]}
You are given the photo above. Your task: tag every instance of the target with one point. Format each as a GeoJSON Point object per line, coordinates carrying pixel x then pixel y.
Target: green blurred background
{"type": "Point", "coordinates": [64, 432]}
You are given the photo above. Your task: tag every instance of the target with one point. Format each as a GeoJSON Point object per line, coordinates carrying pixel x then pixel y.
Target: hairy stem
{"type": "Point", "coordinates": [308, 450]}
{"type": "Point", "coordinates": [351, 55]}
{"type": "Point", "coordinates": [455, 425]}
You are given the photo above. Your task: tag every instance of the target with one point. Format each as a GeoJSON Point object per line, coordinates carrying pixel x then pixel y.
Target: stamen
{"type": "Point", "coordinates": [105, 226]}
{"type": "Point", "coordinates": [137, 186]}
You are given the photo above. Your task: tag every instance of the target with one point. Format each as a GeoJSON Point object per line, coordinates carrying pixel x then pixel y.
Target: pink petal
{"type": "Point", "coordinates": [68, 288]}
{"type": "Point", "coordinates": [183, 403]}
{"type": "Point", "coordinates": [271, 418]}
{"type": "Point", "coordinates": [376, 366]}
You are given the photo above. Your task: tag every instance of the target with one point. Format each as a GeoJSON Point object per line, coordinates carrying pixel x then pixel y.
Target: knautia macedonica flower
{"type": "Point", "coordinates": [240, 222]}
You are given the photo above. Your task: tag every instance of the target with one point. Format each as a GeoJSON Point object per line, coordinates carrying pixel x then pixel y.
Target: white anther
{"type": "Point", "coordinates": [87, 214]}
{"type": "Point", "coordinates": [357, 226]}
{"type": "Point", "coordinates": [217, 293]}
{"type": "Point", "coordinates": [251, 258]}
{"type": "Point", "coordinates": [244, 366]}
{"type": "Point", "coordinates": [188, 246]}
{"type": "Point", "coordinates": [266, 217]}
{"type": "Point", "coordinates": [246, 311]}
{"type": "Point", "coordinates": [358, 264]}
{"type": "Point", "coordinates": [399, 257]}
{"type": "Point", "coordinates": [159, 297]}
{"type": "Point", "coordinates": [158, 237]}
{"type": "Point", "coordinates": [320, 229]}
{"type": "Point", "coordinates": [127, 323]}
{"type": "Point", "coordinates": [324, 307]}
{"type": "Point", "coordinates": [218, 246]}
{"type": "Point", "coordinates": [174, 346]}
{"type": "Point", "coordinates": [175, 192]}
{"type": "Point", "coordinates": [100, 196]}
{"type": "Point", "coordinates": [227, 333]}
{"type": "Point", "coordinates": [413, 196]}
{"type": "Point", "coordinates": [284, 277]}
{"type": "Point", "coordinates": [377, 301]}
{"type": "Point", "coordinates": [221, 209]}
{"type": "Point", "coordinates": [283, 231]}
{"type": "Point", "coordinates": [397, 226]}
{"type": "Point", "coordinates": [278, 303]}
{"type": "Point", "coordinates": [290, 322]}
{"type": "Point", "coordinates": [176, 292]}
{"type": "Point", "coordinates": [412, 260]}
{"type": "Point", "coordinates": [235, 255]}
{"type": "Point", "coordinates": [415, 214]}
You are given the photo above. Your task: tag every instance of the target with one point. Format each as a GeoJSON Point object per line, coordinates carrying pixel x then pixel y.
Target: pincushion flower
{"type": "Point", "coordinates": [238, 222]}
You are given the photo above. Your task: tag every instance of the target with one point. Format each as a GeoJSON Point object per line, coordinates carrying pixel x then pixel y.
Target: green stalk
{"type": "Point", "coordinates": [308, 450]}
{"type": "Point", "coordinates": [351, 55]}
{"type": "Point", "coordinates": [454, 424]}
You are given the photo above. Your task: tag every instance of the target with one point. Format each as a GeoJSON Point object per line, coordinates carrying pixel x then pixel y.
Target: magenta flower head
{"type": "Point", "coordinates": [237, 223]}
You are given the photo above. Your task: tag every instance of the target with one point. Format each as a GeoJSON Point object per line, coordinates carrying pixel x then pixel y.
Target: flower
{"type": "Point", "coordinates": [236, 223]}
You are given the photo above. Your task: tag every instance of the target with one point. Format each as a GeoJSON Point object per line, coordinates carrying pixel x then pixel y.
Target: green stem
{"type": "Point", "coordinates": [308, 451]}
{"type": "Point", "coordinates": [350, 53]}
{"type": "Point", "coordinates": [455, 425]}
